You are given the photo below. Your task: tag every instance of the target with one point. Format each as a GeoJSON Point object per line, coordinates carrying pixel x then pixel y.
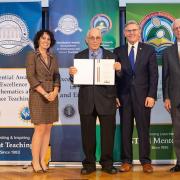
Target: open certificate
{"type": "Point", "coordinates": [94, 72]}
{"type": "Point", "coordinates": [85, 72]}
{"type": "Point", "coordinates": [104, 72]}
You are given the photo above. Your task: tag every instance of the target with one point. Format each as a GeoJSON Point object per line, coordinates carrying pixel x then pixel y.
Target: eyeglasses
{"type": "Point", "coordinates": [131, 30]}
{"type": "Point", "coordinates": [176, 28]}
{"type": "Point", "coordinates": [92, 38]}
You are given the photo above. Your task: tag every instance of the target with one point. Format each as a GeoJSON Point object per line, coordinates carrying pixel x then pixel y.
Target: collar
{"type": "Point", "coordinates": [99, 50]}
{"type": "Point", "coordinates": [37, 52]}
{"type": "Point", "coordinates": [96, 54]}
{"type": "Point", "coordinates": [135, 45]}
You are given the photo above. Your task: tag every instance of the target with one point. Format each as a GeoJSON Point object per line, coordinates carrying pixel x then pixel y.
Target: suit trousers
{"type": "Point", "coordinates": [175, 115]}
{"type": "Point", "coordinates": [133, 109]}
{"type": "Point", "coordinates": [88, 133]}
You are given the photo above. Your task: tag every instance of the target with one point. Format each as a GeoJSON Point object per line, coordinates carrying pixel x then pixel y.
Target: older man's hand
{"type": "Point", "coordinates": [117, 66]}
{"type": "Point", "coordinates": [118, 104]}
{"type": "Point", "coordinates": [72, 70]}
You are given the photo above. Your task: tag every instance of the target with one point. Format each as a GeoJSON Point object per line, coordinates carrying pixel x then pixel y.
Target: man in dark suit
{"type": "Point", "coordinates": [171, 88]}
{"type": "Point", "coordinates": [137, 91]}
{"type": "Point", "coordinates": [97, 101]}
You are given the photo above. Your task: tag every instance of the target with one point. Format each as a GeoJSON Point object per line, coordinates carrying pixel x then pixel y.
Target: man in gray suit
{"type": "Point", "coordinates": [171, 88]}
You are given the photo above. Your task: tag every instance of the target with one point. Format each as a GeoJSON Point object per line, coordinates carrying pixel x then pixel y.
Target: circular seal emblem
{"type": "Point", "coordinates": [157, 31]}
{"type": "Point", "coordinates": [102, 22]}
{"type": "Point", "coordinates": [69, 110]}
{"type": "Point", "coordinates": [25, 114]}
{"type": "Point", "coordinates": [68, 25]}
{"type": "Point", "coordinates": [13, 34]}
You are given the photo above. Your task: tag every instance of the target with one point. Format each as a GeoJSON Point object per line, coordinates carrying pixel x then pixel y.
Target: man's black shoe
{"type": "Point", "coordinates": [110, 170]}
{"type": "Point", "coordinates": [176, 168]}
{"type": "Point", "coordinates": [85, 170]}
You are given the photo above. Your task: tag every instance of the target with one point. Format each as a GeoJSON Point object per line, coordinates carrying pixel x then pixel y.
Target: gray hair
{"type": "Point", "coordinates": [132, 22]}
{"type": "Point", "coordinates": [87, 35]}
{"type": "Point", "coordinates": [174, 22]}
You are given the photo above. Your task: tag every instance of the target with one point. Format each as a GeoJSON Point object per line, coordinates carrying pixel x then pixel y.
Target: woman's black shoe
{"type": "Point", "coordinates": [36, 171]}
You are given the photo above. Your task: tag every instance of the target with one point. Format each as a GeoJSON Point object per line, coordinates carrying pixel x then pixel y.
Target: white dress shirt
{"type": "Point", "coordinates": [178, 44]}
{"type": "Point", "coordinates": [135, 49]}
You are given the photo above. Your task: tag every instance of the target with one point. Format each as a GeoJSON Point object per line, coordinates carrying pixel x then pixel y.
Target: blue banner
{"type": "Point", "coordinates": [15, 144]}
{"type": "Point", "coordinates": [19, 21]}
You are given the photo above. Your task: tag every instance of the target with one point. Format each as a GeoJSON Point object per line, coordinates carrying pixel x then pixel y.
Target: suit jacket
{"type": "Point", "coordinates": [144, 79]}
{"type": "Point", "coordinates": [100, 97]}
{"type": "Point", "coordinates": [171, 75]}
{"type": "Point", "coordinates": [38, 73]}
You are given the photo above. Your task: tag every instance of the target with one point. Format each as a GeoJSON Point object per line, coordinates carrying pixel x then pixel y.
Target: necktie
{"type": "Point", "coordinates": [94, 55]}
{"type": "Point", "coordinates": [131, 57]}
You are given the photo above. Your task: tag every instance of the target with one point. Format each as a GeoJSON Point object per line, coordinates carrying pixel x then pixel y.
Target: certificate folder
{"type": "Point", "coordinates": [94, 72]}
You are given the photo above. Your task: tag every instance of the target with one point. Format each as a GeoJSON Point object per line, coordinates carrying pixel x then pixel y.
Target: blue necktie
{"type": "Point", "coordinates": [131, 57]}
{"type": "Point", "coordinates": [94, 55]}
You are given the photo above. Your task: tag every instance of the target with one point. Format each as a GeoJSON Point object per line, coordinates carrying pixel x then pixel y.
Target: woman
{"type": "Point", "coordinates": [43, 75]}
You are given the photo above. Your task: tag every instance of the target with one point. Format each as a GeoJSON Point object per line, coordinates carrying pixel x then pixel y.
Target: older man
{"type": "Point", "coordinates": [137, 91]}
{"type": "Point", "coordinates": [97, 101]}
{"type": "Point", "coordinates": [171, 88]}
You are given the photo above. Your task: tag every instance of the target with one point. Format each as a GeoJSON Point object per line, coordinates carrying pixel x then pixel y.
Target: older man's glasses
{"type": "Point", "coordinates": [92, 38]}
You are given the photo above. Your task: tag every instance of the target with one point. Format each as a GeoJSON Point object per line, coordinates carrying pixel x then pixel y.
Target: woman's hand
{"type": "Point", "coordinates": [52, 95]}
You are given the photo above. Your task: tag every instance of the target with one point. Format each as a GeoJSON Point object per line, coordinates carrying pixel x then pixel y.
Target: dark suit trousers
{"type": "Point", "coordinates": [132, 108]}
{"type": "Point", "coordinates": [175, 114]}
{"type": "Point", "coordinates": [88, 133]}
